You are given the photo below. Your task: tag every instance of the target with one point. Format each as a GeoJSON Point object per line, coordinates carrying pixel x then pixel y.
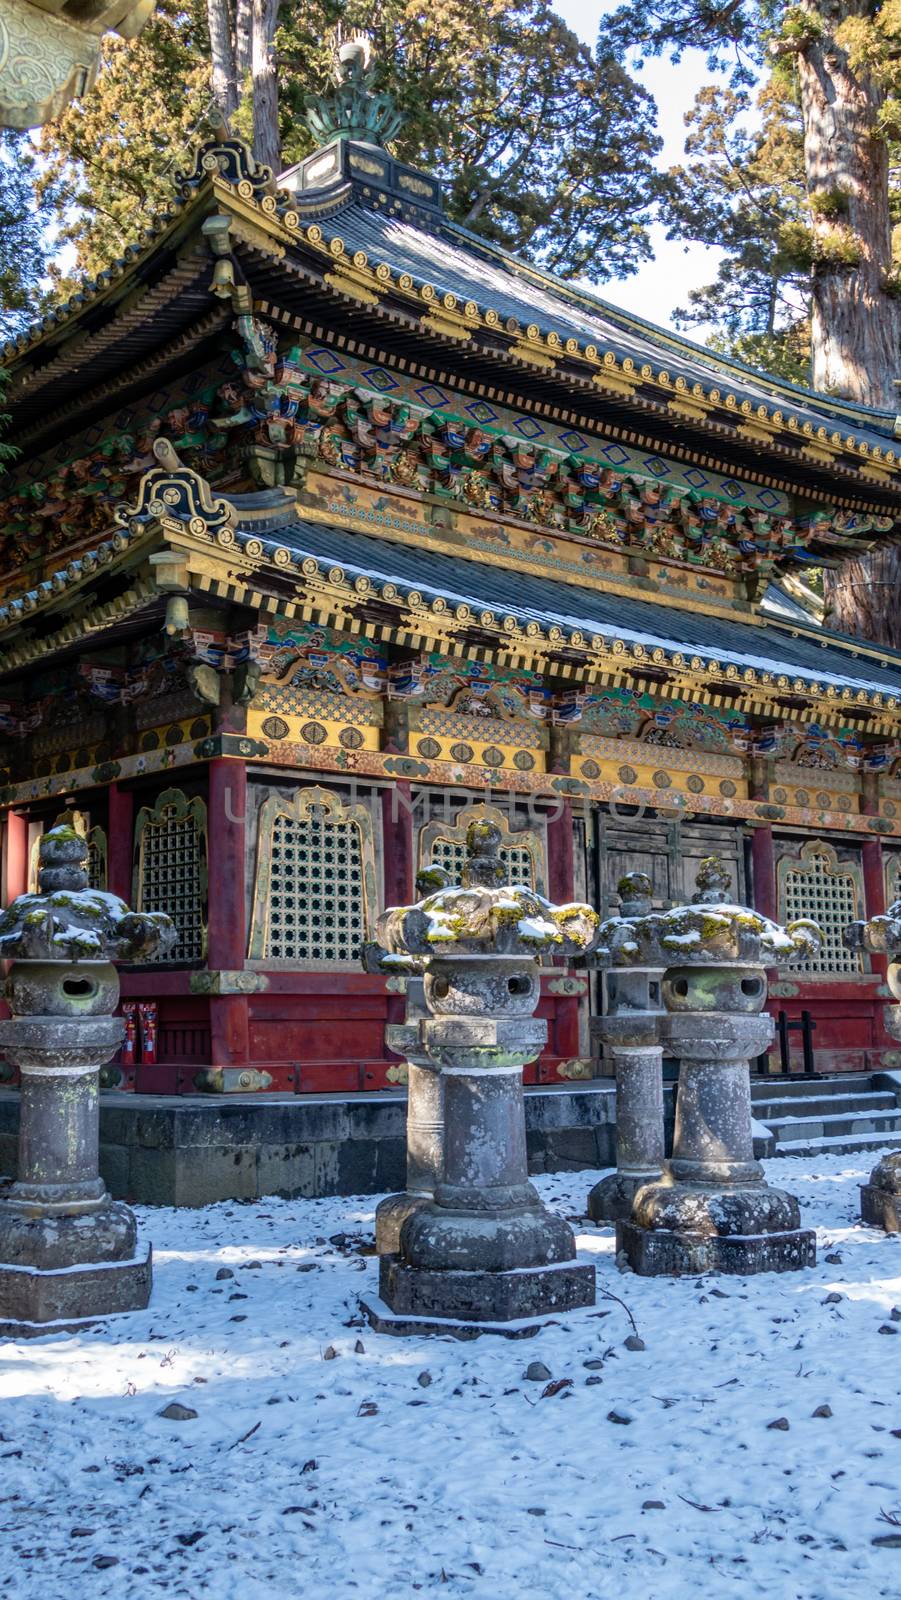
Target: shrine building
{"type": "Point", "coordinates": [331, 521]}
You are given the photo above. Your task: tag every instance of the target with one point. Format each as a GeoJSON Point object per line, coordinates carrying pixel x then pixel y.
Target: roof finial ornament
{"type": "Point", "coordinates": [352, 109]}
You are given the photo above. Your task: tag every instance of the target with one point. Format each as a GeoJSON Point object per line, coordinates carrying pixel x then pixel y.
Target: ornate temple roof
{"type": "Point", "coordinates": [352, 251]}
{"type": "Point", "coordinates": [352, 234]}
{"type": "Point", "coordinates": [265, 547]}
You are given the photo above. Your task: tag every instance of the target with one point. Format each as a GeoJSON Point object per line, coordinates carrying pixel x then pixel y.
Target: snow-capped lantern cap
{"type": "Point", "coordinates": [487, 915]}
{"type": "Point", "coordinates": [635, 890]}
{"type": "Point", "coordinates": [713, 930]}
{"type": "Point", "coordinates": [879, 935]}
{"type": "Point", "coordinates": [69, 921]}
{"type": "Point", "coordinates": [632, 938]}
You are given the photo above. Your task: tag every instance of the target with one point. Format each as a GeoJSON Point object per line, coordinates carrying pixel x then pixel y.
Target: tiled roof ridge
{"type": "Point", "coordinates": [631, 322]}
{"type": "Point", "coordinates": [648, 645]}
{"type": "Point", "coordinates": [571, 632]}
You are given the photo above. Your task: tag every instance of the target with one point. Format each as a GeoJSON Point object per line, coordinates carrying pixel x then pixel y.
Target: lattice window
{"type": "Point", "coordinates": [815, 884]}
{"type": "Point", "coordinates": [522, 851]}
{"type": "Point", "coordinates": [315, 885]}
{"type": "Point", "coordinates": [892, 879]}
{"type": "Point", "coordinates": [171, 869]}
{"type": "Point", "coordinates": [97, 858]}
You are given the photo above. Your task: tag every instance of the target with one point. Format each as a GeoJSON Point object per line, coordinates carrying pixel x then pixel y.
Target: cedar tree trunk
{"type": "Point", "coordinates": [856, 325]}
{"type": "Point", "coordinates": [863, 597]}
{"type": "Point", "coordinates": [266, 142]}
{"type": "Point", "coordinates": [224, 77]}
{"type": "Point", "coordinates": [243, 40]}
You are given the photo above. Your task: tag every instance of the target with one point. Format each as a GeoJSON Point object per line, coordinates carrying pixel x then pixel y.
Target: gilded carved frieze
{"type": "Point", "coordinates": [505, 479]}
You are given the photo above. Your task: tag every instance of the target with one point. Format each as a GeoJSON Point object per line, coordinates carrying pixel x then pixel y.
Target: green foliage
{"type": "Point", "coordinates": [788, 211]}
{"type": "Point", "coordinates": [829, 203]}
{"type": "Point", "coordinates": [7, 451]}
{"type": "Point", "coordinates": [545, 147]}
{"type": "Point", "coordinates": [22, 244]}
{"type": "Point", "coordinates": [743, 191]}
{"type": "Point", "coordinates": [113, 156]}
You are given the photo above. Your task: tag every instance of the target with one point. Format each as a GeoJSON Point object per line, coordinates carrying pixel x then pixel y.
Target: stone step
{"type": "Point", "coordinates": [853, 1124]}
{"type": "Point", "coordinates": [823, 1105]}
{"type": "Point", "coordinates": [837, 1146]}
{"type": "Point", "coordinates": [775, 1085]}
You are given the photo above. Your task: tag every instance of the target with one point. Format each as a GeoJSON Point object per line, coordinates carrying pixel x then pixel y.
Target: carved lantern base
{"type": "Point", "coordinates": [68, 1253]}
{"type": "Point", "coordinates": [880, 1199]}
{"type": "Point", "coordinates": [40, 1300]}
{"type": "Point", "coordinates": [712, 1210]}
{"type": "Point", "coordinates": [696, 1241]}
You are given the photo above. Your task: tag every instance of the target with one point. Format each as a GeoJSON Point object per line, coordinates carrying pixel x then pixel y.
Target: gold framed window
{"type": "Point", "coordinates": [816, 884]}
{"type": "Point", "coordinates": [170, 871]}
{"type": "Point", "coordinates": [315, 890]}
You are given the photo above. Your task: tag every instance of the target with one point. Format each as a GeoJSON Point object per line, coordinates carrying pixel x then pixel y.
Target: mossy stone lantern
{"type": "Point", "coordinates": [425, 1086]}
{"type": "Point", "coordinates": [67, 1251]}
{"type": "Point", "coordinates": [484, 1253]}
{"type": "Point", "coordinates": [711, 1210]}
{"type": "Point", "coordinates": [880, 1198]}
{"type": "Point", "coordinates": [629, 949]}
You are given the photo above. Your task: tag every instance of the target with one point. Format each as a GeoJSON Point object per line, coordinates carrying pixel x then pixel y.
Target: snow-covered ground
{"type": "Point", "coordinates": [325, 1460]}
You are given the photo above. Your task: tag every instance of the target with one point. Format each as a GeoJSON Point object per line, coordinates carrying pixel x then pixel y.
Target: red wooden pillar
{"type": "Point", "coordinates": [873, 878]}
{"type": "Point", "coordinates": [16, 863]}
{"type": "Point", "coordinates": [763, 873]}
{"type": "Point", "coordinates": [120, 842]}
{"type": "Point", "coordinates": [226, 913]}
{"type": "Point", "coordinates": [561, 889]}
{"type": "Point", "coordinates": [398, 844]}
{"type": "Point", "coordinates": [763, 896]}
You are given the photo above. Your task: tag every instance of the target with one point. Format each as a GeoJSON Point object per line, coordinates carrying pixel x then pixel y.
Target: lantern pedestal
{"type": "Point", "coordinates": [481, 1254]}
{"type": "Point", "coordinates": [880, 1199]}
{"type": "Point", "coordinates": [425, 1131]}
{"type": "Point", "coordinates": [639, 1122]}
{"type": "Point", "coordinates": [68, 1253]}
{"type": "Point", "coordinates": [630, 1028]}
{"type": "Point", "coordinates": [712, 1210]}
{"type": "Point", "coordinates": [425, 1125]}
{"type": "Point", "coordinates": [485, 1251]}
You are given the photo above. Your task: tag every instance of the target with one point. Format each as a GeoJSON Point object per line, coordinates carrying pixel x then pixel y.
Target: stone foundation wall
{"type": "Point", "coordinates": [194, 1150]}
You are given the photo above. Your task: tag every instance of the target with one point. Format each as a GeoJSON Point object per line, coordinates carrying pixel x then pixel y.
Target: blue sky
{"type": "Point", "coordinates": [662, 284]}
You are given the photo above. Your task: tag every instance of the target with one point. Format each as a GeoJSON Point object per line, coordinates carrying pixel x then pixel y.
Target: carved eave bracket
{"type": "Point", "coordinates": [228, 158]}
{"type": "Point", "coordinates": [175, 497]}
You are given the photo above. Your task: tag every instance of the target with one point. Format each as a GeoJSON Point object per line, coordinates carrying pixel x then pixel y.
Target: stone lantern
{"type": "Point", "coordinates": [67, 1251]}
{"type": "Point", "coordinates": [880, 1199]}
{"type": "Point", "coordinates": [631, 1027]}
{"type": "Point", "coordinates": [425, 1088]}
{"type": "Point", "coordinates": [712, 1211]}
{"type": "Point", "coordinates": [484, 1252]}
